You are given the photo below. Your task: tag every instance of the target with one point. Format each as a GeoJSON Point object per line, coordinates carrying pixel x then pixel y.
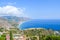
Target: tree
{"type": "Point", "coordinates": [3, 37]}
{"type": "Point", "coordinates": [11, 36]}
{"type": "Point", "coordinates": [52, 37]}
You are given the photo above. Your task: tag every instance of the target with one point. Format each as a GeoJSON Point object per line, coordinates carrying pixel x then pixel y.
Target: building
{"type": "Point", "coordinates": [18, 37]}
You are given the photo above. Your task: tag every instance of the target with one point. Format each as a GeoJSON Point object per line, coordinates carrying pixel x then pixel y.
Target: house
{"type": "Point", "coordinates": [18, 37]}
{"type": "Point", "coordinates": [7, 37]}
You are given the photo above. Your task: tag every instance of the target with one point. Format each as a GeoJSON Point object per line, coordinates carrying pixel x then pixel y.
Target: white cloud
{"type": "Point", "coordinates": [11, 10]}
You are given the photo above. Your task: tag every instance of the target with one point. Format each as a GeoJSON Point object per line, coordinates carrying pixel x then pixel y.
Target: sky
{"type": "Point", "coordinates": [35, 9]}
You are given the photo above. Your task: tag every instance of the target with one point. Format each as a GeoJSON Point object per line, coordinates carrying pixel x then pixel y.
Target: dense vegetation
{"type": "Point", "coordinates": [3, 37]}
{"type": "Point", "coordinates": [41, 34]}
{"type": "Point", "coordinates": [52, 37]}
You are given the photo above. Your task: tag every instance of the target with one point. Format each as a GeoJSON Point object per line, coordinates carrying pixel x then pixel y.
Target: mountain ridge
{"type": "Point", "coordinates": [11, 21]}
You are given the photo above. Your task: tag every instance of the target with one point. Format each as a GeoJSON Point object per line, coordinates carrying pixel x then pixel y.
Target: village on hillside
{"type": "Point", "coordinates": [29, 34]}
{"type": "Point", "coordinates": [10, 31]}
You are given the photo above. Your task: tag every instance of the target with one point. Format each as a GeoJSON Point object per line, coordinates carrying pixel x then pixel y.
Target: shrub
{"type": "Point", "coordinates": [2, 38]}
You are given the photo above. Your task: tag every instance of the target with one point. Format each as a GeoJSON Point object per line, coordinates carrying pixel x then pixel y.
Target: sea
{"type": "Point", "coordinates": [37, 23]}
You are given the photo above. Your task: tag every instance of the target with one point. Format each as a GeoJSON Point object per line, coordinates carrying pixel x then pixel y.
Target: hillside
{"type": "Point", "coordinates": [41, 34]}
{"type": "Point", "coordinates": [11, 21]}
{"type": "Point", "coordinates": [4, 23]}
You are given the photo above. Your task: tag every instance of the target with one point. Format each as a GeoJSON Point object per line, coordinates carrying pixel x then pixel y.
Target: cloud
{"type": "Point", "coordinates": [11, 10]}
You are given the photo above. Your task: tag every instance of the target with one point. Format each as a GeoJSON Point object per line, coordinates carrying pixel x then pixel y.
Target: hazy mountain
{"type": "Point", "coordinates": [11, 21]}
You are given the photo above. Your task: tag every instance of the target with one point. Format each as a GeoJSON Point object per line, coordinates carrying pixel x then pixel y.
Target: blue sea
{"type": "Point", "coordinates": [37, 23]}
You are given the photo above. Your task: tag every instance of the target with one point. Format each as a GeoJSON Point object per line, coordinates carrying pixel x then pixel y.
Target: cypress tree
{"type": "Point", "coordinates": [11, 36]}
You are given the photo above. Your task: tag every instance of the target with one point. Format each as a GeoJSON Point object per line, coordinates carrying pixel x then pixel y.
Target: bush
{"type": "Point", "coordinates": [53, 37]}
{"type": "Point", "coordinates": [2, 38]}
{"type": "Point", "coordinates": [4, 35]}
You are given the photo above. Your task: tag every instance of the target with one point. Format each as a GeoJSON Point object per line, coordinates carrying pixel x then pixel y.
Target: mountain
{"type": "Point", "coordinates": [4, 23]}
{"type": "Point", "coordinates": [11, 21]}
{"type": "Point", "coordinates": [14, 18]}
